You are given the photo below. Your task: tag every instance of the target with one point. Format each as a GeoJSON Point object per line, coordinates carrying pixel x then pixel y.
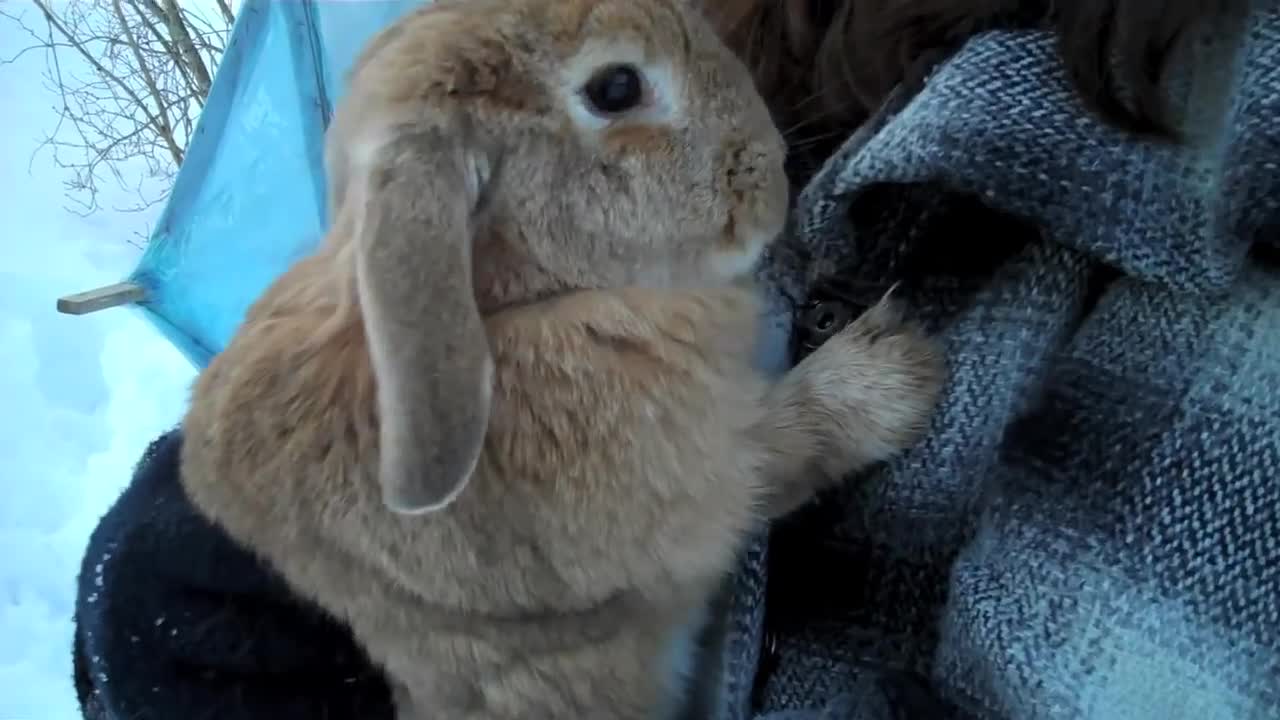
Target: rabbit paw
{"type": "Point", "coordinates": [877, 383]}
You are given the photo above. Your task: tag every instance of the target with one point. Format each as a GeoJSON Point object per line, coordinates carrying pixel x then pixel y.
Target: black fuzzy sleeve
{"type": "Point", "coordinates": [174, 621]}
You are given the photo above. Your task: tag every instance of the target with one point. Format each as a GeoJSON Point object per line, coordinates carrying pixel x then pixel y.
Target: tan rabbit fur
{"type": "Point", "coordinates": [504, 422]}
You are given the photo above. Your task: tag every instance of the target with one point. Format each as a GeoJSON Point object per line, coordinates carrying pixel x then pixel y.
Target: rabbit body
{"type": "Point", "coordinates": [631, 451]}
{"type": "Point", "coordinates": [516, 446]}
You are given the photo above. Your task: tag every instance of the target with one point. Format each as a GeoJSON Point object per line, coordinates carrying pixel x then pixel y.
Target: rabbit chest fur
{"type": "Point", "coordinates": [618, 477]}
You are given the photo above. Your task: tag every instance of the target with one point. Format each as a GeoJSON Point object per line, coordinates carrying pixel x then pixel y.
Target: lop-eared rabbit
{"type": "Point", "coordinates": [504, 422]}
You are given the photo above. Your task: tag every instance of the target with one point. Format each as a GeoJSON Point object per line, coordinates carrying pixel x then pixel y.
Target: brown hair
{"type": "Point", "coordinates": [825, 65]}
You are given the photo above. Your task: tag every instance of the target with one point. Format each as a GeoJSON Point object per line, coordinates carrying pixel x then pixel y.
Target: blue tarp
{"type": "Point", "coordinates": [249, 199]}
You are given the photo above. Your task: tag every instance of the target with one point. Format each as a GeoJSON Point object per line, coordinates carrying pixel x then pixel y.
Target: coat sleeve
{"type": "Point", "coordinates": [174, 621]}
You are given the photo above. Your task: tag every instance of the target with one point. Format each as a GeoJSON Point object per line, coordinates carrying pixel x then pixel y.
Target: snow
{"type": "Point", "coordinates": [80, 397]}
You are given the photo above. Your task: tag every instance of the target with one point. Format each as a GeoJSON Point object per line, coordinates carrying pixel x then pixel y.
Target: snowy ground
{"type": "Point", "coordinates": [80, 398]}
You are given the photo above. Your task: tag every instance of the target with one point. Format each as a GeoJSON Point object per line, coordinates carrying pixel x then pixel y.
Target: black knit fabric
{"type": "Point", "coordinates": [176, 622]}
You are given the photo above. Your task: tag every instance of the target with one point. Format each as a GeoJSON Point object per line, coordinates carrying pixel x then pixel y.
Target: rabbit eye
{"type": "Point", "coordinates": [614, 89]}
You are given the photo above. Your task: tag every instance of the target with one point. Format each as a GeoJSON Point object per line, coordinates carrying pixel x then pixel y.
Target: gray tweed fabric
{"type": "Point", "coordinates": [1092, 529]}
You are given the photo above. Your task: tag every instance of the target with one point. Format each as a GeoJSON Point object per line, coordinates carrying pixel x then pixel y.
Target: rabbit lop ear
{"type": "Point", "coordinates": [426, 338]}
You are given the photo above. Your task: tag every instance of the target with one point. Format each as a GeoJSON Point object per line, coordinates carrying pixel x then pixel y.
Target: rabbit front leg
{"type": "Point", "coordinates": [865, 395]}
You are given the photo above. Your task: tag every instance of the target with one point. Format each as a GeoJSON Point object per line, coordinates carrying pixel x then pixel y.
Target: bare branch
{"type": "Point", "coordinates": [130, 78]}
{"type": "Point", "coordinates": [170, 47]}
{"type": "Point", "coordinates": [227, 15]}
{"type": "Point", "coordinates": [191, 56]}
{"type": "Point", "coordinates": [161, 118]}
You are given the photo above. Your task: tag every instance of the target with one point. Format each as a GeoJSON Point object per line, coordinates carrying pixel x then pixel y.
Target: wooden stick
{"type": "Point", "coordinates": [102, 298]}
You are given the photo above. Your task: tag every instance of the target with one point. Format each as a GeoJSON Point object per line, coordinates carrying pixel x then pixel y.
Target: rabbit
{"type": "Point", "coordinates": [504, 422]}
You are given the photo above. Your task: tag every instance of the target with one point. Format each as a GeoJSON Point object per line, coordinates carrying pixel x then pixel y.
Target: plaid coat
{"type": "Point", "coordinates": [1092, 528]}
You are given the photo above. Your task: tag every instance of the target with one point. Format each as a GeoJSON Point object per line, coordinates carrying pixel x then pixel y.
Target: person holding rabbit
{"type": "Point", "coordinates": [497, 451]}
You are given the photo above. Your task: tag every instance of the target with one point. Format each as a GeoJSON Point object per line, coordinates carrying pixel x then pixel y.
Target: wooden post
{"type": "Point", "coordinates": [102, 298]}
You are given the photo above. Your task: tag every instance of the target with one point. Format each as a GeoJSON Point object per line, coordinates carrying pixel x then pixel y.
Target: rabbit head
{"type": "Point", "coordinates": [493, 153]}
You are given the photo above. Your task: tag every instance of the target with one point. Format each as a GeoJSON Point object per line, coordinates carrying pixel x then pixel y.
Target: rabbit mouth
{"type": "Point", "coordinates": [737, 254]}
